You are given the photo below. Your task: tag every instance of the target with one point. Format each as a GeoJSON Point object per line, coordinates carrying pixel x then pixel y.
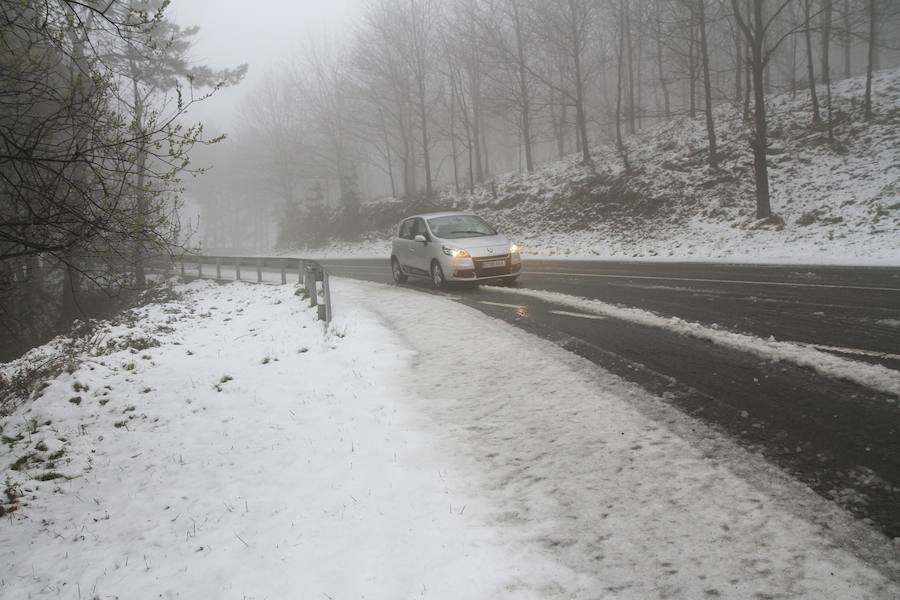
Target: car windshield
{"type": "Point", "coordinates": [460, 226]}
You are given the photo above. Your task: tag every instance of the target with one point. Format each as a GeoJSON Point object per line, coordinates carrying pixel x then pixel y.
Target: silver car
{"type": "Point", "coordinates": [452, 246]}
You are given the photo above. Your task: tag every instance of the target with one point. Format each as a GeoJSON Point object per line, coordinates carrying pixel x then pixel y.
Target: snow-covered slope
{"type": "Point", "coordinates": [835, 202]}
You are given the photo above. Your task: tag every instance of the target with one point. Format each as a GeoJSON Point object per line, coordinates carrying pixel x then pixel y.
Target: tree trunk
{"type": "Point", "coordinates": [760, 142]}
{"type": "Point", "coordinates": [580, 117]}
{"type": "Point", "coordinates": [476, 135]}
{"type": "Point", "coordinates": [692, 71]}
{"type": "Point", "coordinates": [748, 83]}
{"type": "Point", "coordinates": [559, 131]}
{"type": "Point", "coordinates": [811, 69]}
{"type": "Point", "coordinates": [620, 143]}
{"type": "Point", "coordinates": [826, 69]}
{"type": "Point", "coordinates": [471, 153]}
{"type": "Point", "coordinates": [739, 67]}
{"type": "Point", "coordinates": [453, 141]}
{"type": "Point", "coordinates": [707, 87]}
{"type": "Point", "coordinates": [425, 153]}
{"type": "Point", "coordinates": [35, 297]}
{"type": "Point", "coordinates": [638, 110]}
{"type": "Point", "coordinates": [71, 309]}
{"type": "Point", "coordinates": [484, 151]}
{"type": "Point", "coordinates": [661, 66]}
{"type": "Point", "coordinates": [424, 125]}
{"type": "Point", "coordinates": [629, 46]}
{"type": "Point", "coordinates": [848, 40]}
{"type": "Point", "coordinates": [793, 67]}
{"type": "Point", "coordinates": [409, 161]}
{"type": "Point", "coordinates": [870, 63]}
{"type": "Point", "coordinates": [140, 170]}
{"type": "Point", "coordinates": [577, 141]}
{"type": "Point", "coordinates": [524, 93]}
{"type": "Point", "coordinates": [387, 152]}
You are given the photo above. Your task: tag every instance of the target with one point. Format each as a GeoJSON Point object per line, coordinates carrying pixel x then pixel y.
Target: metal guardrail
{"type": "Point", "coordinates": [309, 273]}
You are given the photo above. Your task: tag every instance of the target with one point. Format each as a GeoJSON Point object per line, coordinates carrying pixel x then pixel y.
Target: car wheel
{"type": "Point", "coordinates": [399, 277]}
{"type": "Point", "coordinates": [437, 276]}
{"type": "Point", "coordinates": [511, 281]}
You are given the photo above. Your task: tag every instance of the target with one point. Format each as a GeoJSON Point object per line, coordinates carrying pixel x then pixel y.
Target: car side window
{"type": "Point", "coordinates": [406, 230]}
{"type": "Point", "coordinates": [420, 229]}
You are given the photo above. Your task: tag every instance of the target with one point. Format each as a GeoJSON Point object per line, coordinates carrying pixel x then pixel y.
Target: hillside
{"type": "Point", "coordinates": [835, 202]}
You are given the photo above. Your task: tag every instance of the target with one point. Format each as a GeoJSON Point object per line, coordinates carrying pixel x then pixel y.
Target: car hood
{"type": "Point", "coordinates": [493, 245]}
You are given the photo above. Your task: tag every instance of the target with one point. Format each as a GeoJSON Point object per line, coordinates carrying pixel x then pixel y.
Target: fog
{"type": "Point", "coordinates": [289, 125]}
{"type": "Point", "coordinates": [671, 246]}
{"type": "Point", "coordinates": [264, 37]}
{"type": "Point", "coordinates": [431, 104]}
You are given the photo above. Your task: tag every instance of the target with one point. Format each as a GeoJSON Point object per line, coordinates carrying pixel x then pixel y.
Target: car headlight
{"type": "Point", "coordinates": [455, 252]}
{"type": "Point", "coordinates": [514, 249]}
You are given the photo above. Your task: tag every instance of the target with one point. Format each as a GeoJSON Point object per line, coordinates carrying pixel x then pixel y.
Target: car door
{"type": "Point", "coordinates": [404, 247]}
{"type": "Point", "coordinates": [421, 251]}
{"type": "Point", "coordinates": [401, 243]}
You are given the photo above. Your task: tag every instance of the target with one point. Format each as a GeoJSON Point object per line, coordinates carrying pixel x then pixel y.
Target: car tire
{"type": "Point", "coordinates": [511, 281]}
{"type": "Point", "coordinates": [397, 272]}
{"type": "Point", "coordinates": [437, 276]}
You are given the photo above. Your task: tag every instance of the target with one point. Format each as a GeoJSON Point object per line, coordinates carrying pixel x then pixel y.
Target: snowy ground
{"type": "Point", "coordinates": [225, 445]}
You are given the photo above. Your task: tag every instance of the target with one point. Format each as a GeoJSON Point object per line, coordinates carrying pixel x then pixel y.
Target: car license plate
{"type": "Point", "coordinates": [490, 264]}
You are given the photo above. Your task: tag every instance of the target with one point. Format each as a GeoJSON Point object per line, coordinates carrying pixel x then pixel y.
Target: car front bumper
{"type": "Point", "coordinates": [482, 268]}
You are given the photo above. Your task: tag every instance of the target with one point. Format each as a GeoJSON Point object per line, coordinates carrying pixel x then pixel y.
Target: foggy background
{"type": "Point", "coordinates": [230, 34]}
{"type": "Point", "coordinates": [136, 130]}
{"type": "Point", "coordinates": [331, 118]}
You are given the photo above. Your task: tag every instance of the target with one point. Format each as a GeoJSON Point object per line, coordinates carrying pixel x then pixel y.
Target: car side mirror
{"type": "Point", "coordinates": [420, 238]}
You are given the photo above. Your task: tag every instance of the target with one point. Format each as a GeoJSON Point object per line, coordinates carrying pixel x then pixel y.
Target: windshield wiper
{"type": "Point", "coordinates": [481, 233]}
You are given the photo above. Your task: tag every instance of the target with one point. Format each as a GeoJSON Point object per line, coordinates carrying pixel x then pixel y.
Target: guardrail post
{"type": "Point", "coordinates": [323, 308]}
{"type": "Point", "coordinates": [237, 269]}
{"type": "Point", "coordinates": [181, 261]}
{"type": "Point", "coordinates": [200, 267]}
{"type": "Point", "coordinates": [258, 270]}
{"type": "Point", "coordinates": [283, 271]}
{"type": "Point", "coordinates": [327, 289]}
{"type": "Point", "coordinates": [310, 286]}
{"type": "Point", "coordinates": [314, 274]}
{"type": "Point", "coordinates": [218, 268]}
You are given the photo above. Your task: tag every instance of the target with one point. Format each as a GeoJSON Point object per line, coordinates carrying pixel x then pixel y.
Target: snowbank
{"type": "Point", "coordinates": [876, 377]}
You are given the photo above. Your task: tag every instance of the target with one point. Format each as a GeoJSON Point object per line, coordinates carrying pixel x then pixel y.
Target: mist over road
{"type": "Point", "coordinates": [839, 437]}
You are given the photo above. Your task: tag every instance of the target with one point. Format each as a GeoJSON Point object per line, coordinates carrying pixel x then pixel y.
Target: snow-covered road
{"type": "Point", "coordinates": [417, 448]}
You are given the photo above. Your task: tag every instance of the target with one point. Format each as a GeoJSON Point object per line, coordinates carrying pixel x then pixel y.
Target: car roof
{"type": "Point", "coordinates": [431, 215]}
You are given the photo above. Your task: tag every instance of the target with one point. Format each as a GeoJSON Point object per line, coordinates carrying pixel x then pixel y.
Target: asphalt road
{"type": "Point", "coordinates": [840, 438]}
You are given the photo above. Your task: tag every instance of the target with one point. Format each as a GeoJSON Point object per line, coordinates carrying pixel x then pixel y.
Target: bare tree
{"type": "Point", "coordinates": [503, 27]}
{"type": "Point", "coordinates": [658, 35]}
{"type": "Point", "coordinates": [273, 115]}
{"type": "Point", "coordinates": [810, 61]}
{"type": "Point", "coordinates": [419, 28]}
{"type": "Point", "coordinates": [826, 67]}
{"type": "Point", "coordinates": [872, 57]}
{"type": "Point", "coordinates": [707, 86]}
{"type": "Point", "coordinates": [620, 62]}
{"type": "Point", "coordinates": [756, 31]}
{"type": "Point", "coordinates": [386, 85]}
{"type": "Point", "coordinates": [568, 27]}
{"type": "Point", "coordinates": [466, 73]}
{"type": "Point", "coordinates": [323, 82]}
